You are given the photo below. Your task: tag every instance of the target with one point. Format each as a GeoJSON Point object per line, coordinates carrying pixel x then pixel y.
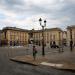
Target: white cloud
{"type": "Point", "coordinates": [65, 18]}
{"type": "Point", "coordinates": [27, 13]}
{"type": "Point", "coordinates": [41, 2]}
{"type": "Point", "coordinates": [71, 1]}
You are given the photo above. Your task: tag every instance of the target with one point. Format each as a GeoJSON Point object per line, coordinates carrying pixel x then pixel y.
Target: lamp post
{"type": "Point", "coordinates": [59, 41]}
{"type": "Point", "coordinates": [40, 20]}
{"type": "Point", "coordinates": [71, 41]}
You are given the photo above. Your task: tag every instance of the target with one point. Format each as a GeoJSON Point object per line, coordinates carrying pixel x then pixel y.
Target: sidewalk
{"type": "Point", "coordinates": [65, 60]}
{"type": "Point", "coordinates": [29, 60]}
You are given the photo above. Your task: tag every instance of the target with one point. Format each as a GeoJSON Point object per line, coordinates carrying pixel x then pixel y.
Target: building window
{"type": "Point", "coordinates": [54, 37]}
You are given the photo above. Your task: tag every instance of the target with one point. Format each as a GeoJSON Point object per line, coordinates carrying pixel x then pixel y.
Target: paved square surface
{"type": "Point", "coordinates": [8, 67]}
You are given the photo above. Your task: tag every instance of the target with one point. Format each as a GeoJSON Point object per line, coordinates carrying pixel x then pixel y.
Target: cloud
{"type": "Point", "coordinates": [25, 13]}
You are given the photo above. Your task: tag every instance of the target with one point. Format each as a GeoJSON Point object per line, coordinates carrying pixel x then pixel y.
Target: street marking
{"type": "Point", "coordinates": [52, 52]}
{"type": "Point", "coordinates": [52, 64]}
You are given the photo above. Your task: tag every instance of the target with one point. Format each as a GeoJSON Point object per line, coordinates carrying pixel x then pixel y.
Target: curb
{"type": "Point", "coordinates": [23, 62]}
{"type": "Point", "coordinates": [68, 66]}
{"type": "Point", "coordinates": [63, 66]}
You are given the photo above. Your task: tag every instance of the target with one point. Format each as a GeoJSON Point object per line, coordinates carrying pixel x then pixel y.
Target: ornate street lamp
{"type": "Point", "coordinates": [43, 44]}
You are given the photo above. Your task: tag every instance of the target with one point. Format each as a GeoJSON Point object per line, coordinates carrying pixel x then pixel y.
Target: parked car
{"type": "Point", "coordinates": [54, 46]}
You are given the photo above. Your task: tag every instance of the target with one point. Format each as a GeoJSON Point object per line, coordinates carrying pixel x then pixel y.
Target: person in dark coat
{"type": "Point", "coordinates": [34, 52]}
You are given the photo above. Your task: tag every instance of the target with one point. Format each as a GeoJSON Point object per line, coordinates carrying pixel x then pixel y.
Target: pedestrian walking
{"type": "Point", "coordinates": [34, 52]}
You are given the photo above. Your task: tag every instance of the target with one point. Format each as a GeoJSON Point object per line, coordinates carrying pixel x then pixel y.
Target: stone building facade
{"type": "Point", "coordinates": [71, 35]}
{"type": "Point", "coordinates": [53, 35]}
{"type": "Point", "coordinates": [13, 36]}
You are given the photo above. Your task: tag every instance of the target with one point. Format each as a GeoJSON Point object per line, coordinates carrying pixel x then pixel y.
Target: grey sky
{"type": "Point", "coordinates": [25, 13]}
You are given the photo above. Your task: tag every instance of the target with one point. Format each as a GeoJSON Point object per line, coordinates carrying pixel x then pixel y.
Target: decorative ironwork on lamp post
{"type": "Point", "coordinates": [43, 44]}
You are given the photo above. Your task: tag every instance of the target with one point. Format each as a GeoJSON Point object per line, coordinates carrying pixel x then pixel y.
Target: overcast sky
{"type": "Point", "coordinates": [26, 13]}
